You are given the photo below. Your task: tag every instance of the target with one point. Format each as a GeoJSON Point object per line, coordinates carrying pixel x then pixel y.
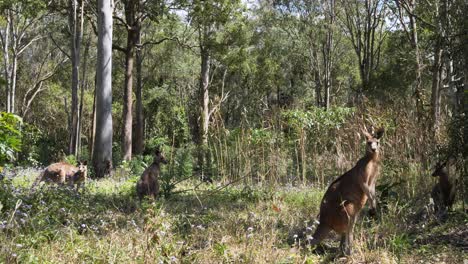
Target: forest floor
{"type": "Point", "coordinates": [107, 224]}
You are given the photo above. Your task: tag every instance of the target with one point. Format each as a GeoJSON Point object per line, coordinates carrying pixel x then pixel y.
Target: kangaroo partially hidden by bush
{"type": "Point", "coordinates": [444, 191]}
{"type": "Point", "coordinates": [149, 180]}
{"type": "Point", "coordinates": [347, 195]}
{"type": "Point", "coordinates": [62, 173]}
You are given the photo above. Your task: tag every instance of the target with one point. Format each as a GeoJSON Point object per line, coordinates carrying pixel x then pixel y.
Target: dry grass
{"type": "Point", "coordinates": [237, 224]}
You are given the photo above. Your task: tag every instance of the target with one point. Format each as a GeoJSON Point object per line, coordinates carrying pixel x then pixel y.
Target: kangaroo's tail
{"type": "Point", "coordinates": [320, 233]}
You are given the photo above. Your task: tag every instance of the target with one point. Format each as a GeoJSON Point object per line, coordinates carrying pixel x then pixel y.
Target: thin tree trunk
{"type": "Point", "coordinates": [14, 69]}
{"type": "Point", "coordinates": [83, 86]}
{"type": "Point", "coordinates": [76, 27]}
{"type": "Point", "coordinates": [102, 156]}
{"type": "Point", "coordinates": [204, 109]}
{"type": "Point", "coordinates": [6, 59]}
{"type": "Point", "coordinates": [328, 51]}
{"type": "Point", "coordinates": [436, 81]}
{"type": "Point", "coordinates": [127, 116]}
{"type": "Point", "coordinates": [133, 28]}
{"type": "Point", "coordinates": [93, 125]}
{"type": "Point", "coordinates": [415, 44]}
{"type": "Point", "coordinates": [139, 126]}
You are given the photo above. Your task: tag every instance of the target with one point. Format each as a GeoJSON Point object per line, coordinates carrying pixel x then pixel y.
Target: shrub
{"type": "Point", "coordinates": [10, 136]}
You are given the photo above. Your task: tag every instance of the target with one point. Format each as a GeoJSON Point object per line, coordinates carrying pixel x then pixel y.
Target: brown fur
{"type": "Point", "coordinates": [444, 191]}
{"type": "Point", "coordinates": [62, 172]}
{"type": "Point", "coordinates": [148, 185]}
{"type": "Point", "coordinates": [347, 195]}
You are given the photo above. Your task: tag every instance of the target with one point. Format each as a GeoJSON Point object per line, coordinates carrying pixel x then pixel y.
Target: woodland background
{"type": "Point", "coordinates": [246, 93]}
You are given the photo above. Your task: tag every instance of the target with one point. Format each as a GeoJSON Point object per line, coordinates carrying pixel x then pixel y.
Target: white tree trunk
{"type": "Point", "coordinates": [5, 37]}
{"type": "Point", "coordinates": [102, 160]}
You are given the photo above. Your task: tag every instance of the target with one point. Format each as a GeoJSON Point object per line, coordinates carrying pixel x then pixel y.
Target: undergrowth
{"type": "Point", "coordinates": [237, 224]}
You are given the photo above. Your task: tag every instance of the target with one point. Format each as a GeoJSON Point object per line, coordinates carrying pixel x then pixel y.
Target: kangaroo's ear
{"type": "Point", "coordinates": [366, 134]}
{"type": "Point", "coordinates": [379, 133]}
{"type": "Point", "coordinates": [157, 152]}
{"type": "Point", "coordinates": [84, 162]}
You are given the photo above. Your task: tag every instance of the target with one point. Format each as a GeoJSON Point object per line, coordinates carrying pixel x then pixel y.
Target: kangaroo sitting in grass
{"type": "Point", "coordinates": [149, 181]}
{"type": "Point", "coordinates": [62, 172]}
{"type": "Point", "coordinates": [444, 191]}
{"type": "Point", "coordinates": [347, 195]}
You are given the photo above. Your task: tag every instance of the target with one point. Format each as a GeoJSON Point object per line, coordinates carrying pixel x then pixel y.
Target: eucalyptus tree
{"type": "Point", "coordinates": [314, 23]}
{"type": "Point", "coordinates": [135, 13]}
{"type": "Point", "coordinates": [18, 32]}
{"type": "Point", "coordinates": [209, 19]}
{"type": "Point", "coordinates": [75, 26]}
{"type": "Point", "coordinates": [133, 16]}
{"type": "Point", "coordinates": [102, 154]}
{"type": "Point", "coordinates": [367, 24]}
{"type": "Point", "coordinates": [406, 14]}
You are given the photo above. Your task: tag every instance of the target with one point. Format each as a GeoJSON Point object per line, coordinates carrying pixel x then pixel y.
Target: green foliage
{"type": "Point", "coordinates": [167, 120]}
{"type": "Point", "coordinates": [261, 136]}
{"type": "Point", "coordinates": [27, 8]}
{"type": "Point", "coordinates": [180, 168]}
{"type": "Point", "coordinates": [156, 143]}
{"type": "Point", "coordinates": [400, 243]}
{"type": "Point", "coordinates": [71, 159]}
{"type": "Point", "coordinates": [317, 119]}
{"type": "Point", "coordinates": [138, 164]}
{"type": "Point", "coordinates": [30, 149]}
{"type": "Point", "coordinates": [10, 136]}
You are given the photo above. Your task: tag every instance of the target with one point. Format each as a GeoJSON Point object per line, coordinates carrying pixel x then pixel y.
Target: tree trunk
{"type": "Point", "coordinates": [415, 44]}
{"type": "Point", "coordinates": [6, 59]}
{"type": "Point", "coordinates": [127, 106]}
{"type": "Point", "coordinates": [127, 114]}
{"type": "Point", "coordinates": [83, 86]}
{"type": "Point", "coordinates": [102, 156]}
{"type": "Point", "coordinates": [327, 51]}
{"type": "Point", "coordinates": [92, 137]}
{"type": "Point", "coordinates": [436, 81]}
{"type": "Point", "coordinates": [139, 126]}
{"type": "Point", "coordinates": [204, 109]}
{"type": "Point", "coordinates": [14, 69]}
{"type": "Point", "coordinates": [76, 26]}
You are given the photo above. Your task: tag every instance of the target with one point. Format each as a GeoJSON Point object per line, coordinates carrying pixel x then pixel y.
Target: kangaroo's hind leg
{"type": "Point", "coordinates": [347, 238]}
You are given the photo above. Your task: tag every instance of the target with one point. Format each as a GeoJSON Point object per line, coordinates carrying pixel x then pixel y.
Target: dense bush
{"type": "Point", "coordinates": [10, 136]}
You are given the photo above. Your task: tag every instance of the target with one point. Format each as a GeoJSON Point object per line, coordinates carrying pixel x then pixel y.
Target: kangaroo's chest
{"type": "Point", "coordinates": [370, 173]}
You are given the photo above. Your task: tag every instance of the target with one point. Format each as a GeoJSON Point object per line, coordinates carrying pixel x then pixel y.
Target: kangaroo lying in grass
{"type": "Point", "coordinates": [62, 172]}
{"type": "Point", "coordinates": [347, 195]}
{"type": "Point", "coordinates": [444, 191]}
{"type": "Point", "coordinates": [149, 181]}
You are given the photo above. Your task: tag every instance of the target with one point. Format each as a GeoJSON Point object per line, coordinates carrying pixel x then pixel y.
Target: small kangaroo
{"type": "Point", "coordinates": [346, 196]}
{"type": "Point", "coordinates": [62, 172]}
{"type": "Point", "coordinates": [444, 191]}
{"type": "Point", "coordinates": [149, 181]}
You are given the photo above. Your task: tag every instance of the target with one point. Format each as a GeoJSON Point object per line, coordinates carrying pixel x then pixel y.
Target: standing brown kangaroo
{"type": "Point", "coordinates": [62, 172]}
{"type": "Point", "coordinates": [347, 195]}
{"type": "Point", "coordinates": [443, 192]}
{"type": "Point", "coordinates": [149, 181]}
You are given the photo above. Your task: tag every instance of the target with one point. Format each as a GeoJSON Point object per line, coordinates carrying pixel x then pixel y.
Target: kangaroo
{"type": "Point", "coordinates": [149, 181]}
{"type": "Point", "coordinates": [62, 172]}
{"type": "Point", "coordinates": [444, 191]}
{"type": "Point", "coordinates": [346, 196]}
